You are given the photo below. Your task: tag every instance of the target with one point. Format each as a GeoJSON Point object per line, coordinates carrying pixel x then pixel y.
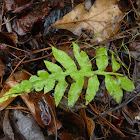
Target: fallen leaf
{"type": "Point", "coordinates": [23, 25]}
{"type": "Point", "coordinates": [90, 127]}
{"type": "Point", "coordinates": [7, 102]}
{"type": "Point", "coordinates": [33, 16]}
{"type": "Point", "coordinates": [63, 134]}
{"type": "Point", "coordinates": [90, 124]}
{"type": "Point", "coordinates": [11, 81]}
{"type": "Point", "coordinates": [27, 126]}
{"type": "Point", "coordinates": [53, 17]}
{"type": "Point", "coordinates": [73, 123]}
{"type": "Point", "coordinates": [42, 107]}
{"type": "Point", "coordinates": [101, 21]}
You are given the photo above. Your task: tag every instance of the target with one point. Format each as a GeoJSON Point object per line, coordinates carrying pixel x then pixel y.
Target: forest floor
{"type": "Point", "coordinates": [28, 32]}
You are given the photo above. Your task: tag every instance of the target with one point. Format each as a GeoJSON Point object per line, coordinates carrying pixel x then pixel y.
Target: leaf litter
{"type": "Point", "coordinates": [23, 50]}
{"type": "Point", "coordinates": [102, 19]}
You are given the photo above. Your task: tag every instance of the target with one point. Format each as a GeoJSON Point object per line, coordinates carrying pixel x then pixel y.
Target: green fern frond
{"type": "Point", "coordinates": [47, 81]}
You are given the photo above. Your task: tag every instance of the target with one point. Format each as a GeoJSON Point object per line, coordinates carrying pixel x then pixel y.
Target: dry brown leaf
{"type": "Point", "coordinates": [102, 19]}
{"type": "Point", "coordinates": [7, 102]}
{"type": "Point", "coordinates": [11, 82]}
{"type": "Point", "coordinates": [90, 127]}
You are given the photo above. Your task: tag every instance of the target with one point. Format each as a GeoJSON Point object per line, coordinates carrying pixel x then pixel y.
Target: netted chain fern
{"type": "Point", "coordinates": [114, 82]}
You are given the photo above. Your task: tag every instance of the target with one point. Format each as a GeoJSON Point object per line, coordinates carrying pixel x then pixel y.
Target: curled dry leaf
{"type": "Point", "coordinates": [102, 20]}
{"type": "Point", "coordinates": [90, 124]}
{"type": "Point", "coordinates": [90, 127]}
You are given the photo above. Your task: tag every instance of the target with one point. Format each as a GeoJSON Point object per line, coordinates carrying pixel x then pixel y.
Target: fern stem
{"type": "Point", "coordinates": [81, 73]}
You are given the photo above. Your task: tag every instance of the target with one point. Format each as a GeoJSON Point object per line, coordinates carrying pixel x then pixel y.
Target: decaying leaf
{"type": "Point", "coordinates": [11, 81]}
{"type": "Point", "coordinates": [7, 102]}
{"type": "Point", "coordinates": [74, 124]}
{"type": "Point", "coordinates": [102, 19]}
{"type": "Point", "coordinates": [27, 125]}
{"type": "Point", "coordinates": [90, 127]}
{"type": "Point", "coordinates": [90, 124]}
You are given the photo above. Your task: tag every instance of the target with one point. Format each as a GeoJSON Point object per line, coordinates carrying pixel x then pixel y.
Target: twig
{"type": "Point", "coordinates": [17, 66]}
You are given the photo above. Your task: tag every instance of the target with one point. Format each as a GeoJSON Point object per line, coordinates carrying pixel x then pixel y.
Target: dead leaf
{"type": "Point", "coordinates": [90, 127]}
{"type": "Point", "coordinates": [24, 24]}
{"type": "Point", "coordinates": [53, 17]}
{"type": "Point", "coordinates": [11, 81]}
{"type": "Point", "coordinates": [43, 107]}
{"type": "Point", "coordinates": [27, 126]}
{"type": "Point", "coordinates": [63, 134]}
{"type": "Point", "coordinates": [102, 20]}
{"type": "Point", "coordinates": [90, 124]}
{"type": "Point", "coordinates": [7, 102]}
{"type": "Point", "coordinates": [73, 123]}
